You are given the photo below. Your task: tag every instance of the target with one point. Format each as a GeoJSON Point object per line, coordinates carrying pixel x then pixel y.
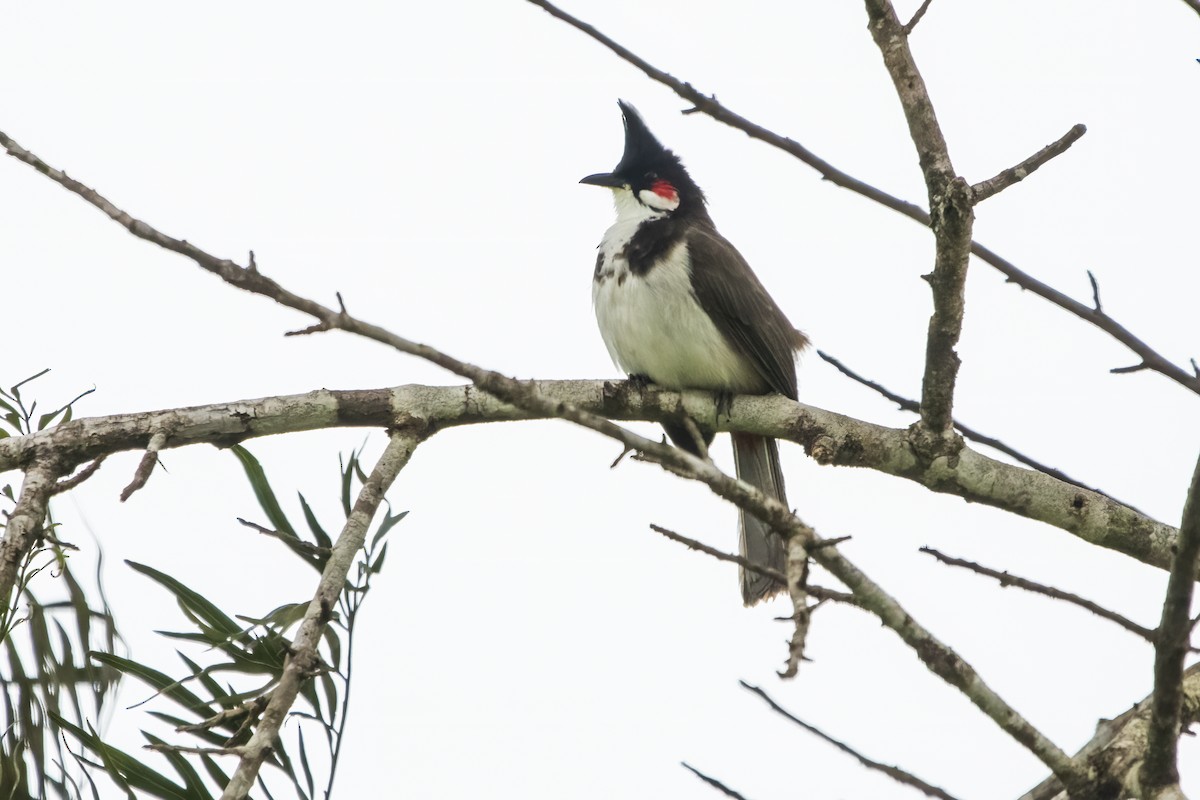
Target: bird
{"type": "Point", "coordinates": [678, 306]}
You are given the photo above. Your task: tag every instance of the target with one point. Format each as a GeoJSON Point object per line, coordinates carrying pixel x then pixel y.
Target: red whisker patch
{"type": "Point", "coordinates": [664, 189]}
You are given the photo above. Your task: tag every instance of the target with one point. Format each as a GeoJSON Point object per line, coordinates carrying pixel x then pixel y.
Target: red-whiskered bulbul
{"type": "Point", "coordinates": [678, 305]}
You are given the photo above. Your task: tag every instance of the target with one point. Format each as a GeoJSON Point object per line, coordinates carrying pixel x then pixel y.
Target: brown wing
{"type": "Point", "coordinates": [729, 291]}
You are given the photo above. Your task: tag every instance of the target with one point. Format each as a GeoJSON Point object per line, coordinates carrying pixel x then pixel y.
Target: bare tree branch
{"type": "Point", "coordinates": [67, 484]}
{"type": "Point", "coordinates": [713, 782]}
{"type": "Point", "coordinates": [1119, 747]}
{"type": "Point", "coordinates": [985, 189]}
{"type": "Point", "coordinates": [912, 23]}
{"type": "Point", "coordinates": [709, 105]}
{"type": "Point", "coordinates": [797, 586]}
{"type": "Point", "coordinates": [830, 438]}
{"type": "Point", "coordinates": [819, 592]}
{"type": "Point", "coordinates": [973, 435]}
{"type": "Point", "coordinates": [303, 657]}
{"type": "Point", "coordinates": [720, 555]}
{"type": "Point", "coordinates": [893, 772]}
{"type": "Point", "coordinates": [145, 466]}
{"type": "Point", "coordinates": [952, 222]}
{"type": "Point", "coordinates": [24, 525]}
{"type": "Point", "coordinates": [1049, 591]}
{"type": "Point", "coordinates": [1160, 771]}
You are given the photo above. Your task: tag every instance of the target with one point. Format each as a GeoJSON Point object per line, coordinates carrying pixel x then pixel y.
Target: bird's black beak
{"type": "Point", "coordinates": [609, 179]}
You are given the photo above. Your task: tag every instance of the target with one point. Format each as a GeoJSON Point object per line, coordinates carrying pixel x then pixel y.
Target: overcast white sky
{"type": "Point", "coordinates": [530, 636]}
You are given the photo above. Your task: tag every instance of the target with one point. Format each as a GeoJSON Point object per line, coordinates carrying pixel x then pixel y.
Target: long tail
{"type": "Point", "coordinates": [757, 461]}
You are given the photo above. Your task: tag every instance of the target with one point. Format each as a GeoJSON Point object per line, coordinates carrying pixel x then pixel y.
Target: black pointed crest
{"type": "Point", "coordinates": [645, 156]}
{"type": "Point", "coordinates": [641, 148]}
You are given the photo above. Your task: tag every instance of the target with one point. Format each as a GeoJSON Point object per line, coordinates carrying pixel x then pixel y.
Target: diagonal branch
{"type": "Point", "coordinates": [893, 772]}
{"type": "Point", "coordinates": [713, 782]}
{"type": "Point", "coordinates": [916, 17]}
{"type": "Point", "coordinates": [1160, 772]}
{"type": "Point", "coordinates": [1049, 591]}
{"type": "Point", "coordinates": [707, 104]}
{"type": "Point", "coordinates": [303, 658]}
{"type": "Point", "coordinates": [1119, 746]}
{"type": "Point", "coordinates": [24, 525]}
{"type": "Point", "coordinates": [985, 189]}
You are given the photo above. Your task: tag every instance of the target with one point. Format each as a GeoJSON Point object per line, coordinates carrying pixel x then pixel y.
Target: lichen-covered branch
{"type": "Point", "coordinates": [830, 438]}
{"type": "Point", "coordinates": [24, 524]}
{"type": "Point", "coordinates": [1119, 747]}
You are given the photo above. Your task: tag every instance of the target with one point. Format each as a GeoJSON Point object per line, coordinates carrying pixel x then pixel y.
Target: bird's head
{"type": "Point", "coordinates": [649, 173]}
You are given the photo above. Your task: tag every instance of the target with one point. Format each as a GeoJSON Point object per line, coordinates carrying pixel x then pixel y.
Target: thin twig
{"type": "Point", "coordinates": [797, 586]}
{"type": "Point", "coordinates": [67, 484]}
{"type": "Point", "coordinates": [1007, 579]}
{"type": "Point", "coordinates": [908, 404]}
{"type": "Point", "coordinates": [713, 782]}
{"type": "Point", "coordinates": [1160, 770]}
{"type": "Point", "coordinates": [720, 555]}
{"type": "Point", "coordinates": [146, 466]}
{"type": "Point", "coordinates": [292, 541]}
{"type": "Point", "coordinates": [1096, 294]}
{"type": "Point", "coordinates": [893, 772]}
{"type": "Point", "coordinates": [162, 747]}
{"type": "Point", "coordinates": [912, 23]}
{"type": "Point", "coordinates": [985, 189]}
{"type": "Point", "coordinates": [708, 105]}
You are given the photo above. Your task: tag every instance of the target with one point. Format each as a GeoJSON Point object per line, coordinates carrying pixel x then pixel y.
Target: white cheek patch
{"type": "Point", "coordinates": [657, 201]}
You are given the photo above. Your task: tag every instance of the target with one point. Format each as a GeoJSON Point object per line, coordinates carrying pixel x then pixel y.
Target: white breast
{"type": "Point", "coordinates": [652, 323]}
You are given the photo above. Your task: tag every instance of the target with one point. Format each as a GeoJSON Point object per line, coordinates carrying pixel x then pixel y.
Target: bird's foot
{"type": "Point", "coordinates": [724, 401]}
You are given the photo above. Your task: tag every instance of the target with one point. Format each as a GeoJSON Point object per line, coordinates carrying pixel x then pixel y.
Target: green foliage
{"type": "Point", "coordinates": [45, 672]}
{"type": "Point", "coordinates": [218, 696]}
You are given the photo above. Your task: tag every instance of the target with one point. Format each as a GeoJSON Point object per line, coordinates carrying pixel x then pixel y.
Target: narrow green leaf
{"type": "Point", "coordinates": [212, 738]}
{"type": "Point", "coordinates": [377, 564]}
{"type": "Point", "coordinates": [335, 647]}
{"type": "Point", "coordinates": [331, 697]}
{"type": "Point", "coordinates": [196, 790]}
{"type": "Point", "coordinates": [161, 682]}
{"type": "Point", "coordinates": [219, 776]}
{"type": "Point", "coordinates": [389, 521]}
{"type": "Point", "coordinates": [219, 695]}
{"type": "Point", "coordinates": [262, 491]}
{"type": "Point", "coordinates": [347, 476]}
{"type": "Point", "coordinates": [308, 778]}
{"type": "Point", "coordinates": [189, 599]}
{"type": "Point", "coordinates": [280, 618]}
{"type": "Point", "coordinates": [319, 534]}
{"type": "Point", "coordinates": [46, 419]}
